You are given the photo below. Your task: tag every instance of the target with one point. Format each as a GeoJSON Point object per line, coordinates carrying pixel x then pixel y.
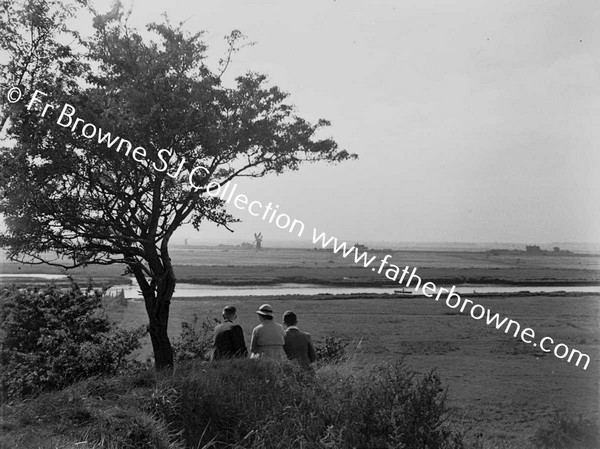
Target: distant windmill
{"type": "Point", "coordinates": [186, 242]}
{"type": "Point", "coordinates": [258, 240]}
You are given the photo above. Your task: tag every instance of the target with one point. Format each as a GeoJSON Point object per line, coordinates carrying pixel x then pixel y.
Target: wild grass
{"type": "Point", "coordinates": [96, 413]}
{"type": "Point", "coordinates": [563, 432]}
{"type": "Point", "coordinates": [239, 404]}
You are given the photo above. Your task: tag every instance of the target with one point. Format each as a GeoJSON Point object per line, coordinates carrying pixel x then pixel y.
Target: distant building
{"type": "Point", "coordinates": [360, 247]}
{"type": "Point", "coordinates": [529, 250]}
{"type": "Point", "coordinates": [533, 249]}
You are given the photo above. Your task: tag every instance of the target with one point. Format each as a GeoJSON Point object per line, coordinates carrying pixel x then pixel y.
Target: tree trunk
{"type": "Point", "coordinates": [161, 345]}
{"type": "Point", "coordinates": [157, 298]}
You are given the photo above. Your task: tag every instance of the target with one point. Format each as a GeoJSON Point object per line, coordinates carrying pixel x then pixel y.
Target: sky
{"type": "Point", "coordinates": [474, 120]}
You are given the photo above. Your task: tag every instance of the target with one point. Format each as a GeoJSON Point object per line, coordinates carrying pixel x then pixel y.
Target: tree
{"type": "Point", "coordinates": [132, 150]}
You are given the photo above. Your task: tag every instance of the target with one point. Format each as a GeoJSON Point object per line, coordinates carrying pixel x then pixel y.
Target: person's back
{"type": "Point", "coordinates": [228, 339]}
{"type": "Point", "coordinates": [268, 337]}
{"type": "Point", "coordinates": [298, 345]}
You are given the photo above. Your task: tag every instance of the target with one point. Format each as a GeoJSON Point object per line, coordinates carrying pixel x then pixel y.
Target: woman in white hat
{"type": "Point", "coordinates": [268, 337]}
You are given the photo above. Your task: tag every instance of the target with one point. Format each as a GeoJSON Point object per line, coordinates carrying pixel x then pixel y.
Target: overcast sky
{"type": "Point", "coordinates": [474, 120]}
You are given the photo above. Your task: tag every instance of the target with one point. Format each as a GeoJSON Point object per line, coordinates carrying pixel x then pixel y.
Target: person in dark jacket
{"type": "Point", "coordinates": [298, 345]}
{"type": "Point", "coordinates": [229, 337]}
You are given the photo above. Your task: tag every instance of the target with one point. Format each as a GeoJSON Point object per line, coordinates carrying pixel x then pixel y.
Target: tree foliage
{"type": "Point", "coordinates": [69, 200]}
{"type": "Point", "coordinates": [35, 41]}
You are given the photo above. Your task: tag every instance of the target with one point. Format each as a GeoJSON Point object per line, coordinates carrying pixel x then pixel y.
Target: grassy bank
{"type": "Point", "coordinates": [241, 404]}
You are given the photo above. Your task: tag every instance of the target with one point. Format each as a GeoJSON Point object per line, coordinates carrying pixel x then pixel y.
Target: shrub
{"type": "Point", "coordinates": [565, 433]}
{"type": "Point", "coordinates": [195, 340]}
{"type": "Point", "coordinates": [387, 406]}
{"type": "Point", "coordinates": [54, 337]}
{"type": "Point", "coordinates": [331, 350]}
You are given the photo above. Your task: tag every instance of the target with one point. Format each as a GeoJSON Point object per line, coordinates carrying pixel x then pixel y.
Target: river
{"type": "Point", "coordinates": [184, 290]}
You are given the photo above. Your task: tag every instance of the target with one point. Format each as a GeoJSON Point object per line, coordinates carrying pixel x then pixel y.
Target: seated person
{"type": "Point", "coordinates": [268, 337]}
{"type": "Point", "coordinates": [298, 345]}
{"type": "Point", "coordinates": [229, 337]}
